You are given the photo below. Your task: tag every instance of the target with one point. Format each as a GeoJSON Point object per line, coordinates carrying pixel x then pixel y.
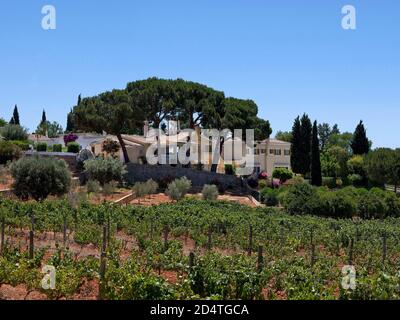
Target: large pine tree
{"type": "Point", "coordinates": [70, 123]}
{"type": "Point", "coordinates": [70, 118]}
{"type": "Point", "coordinates": [15, 117]}
{"type": "Point", "coordinates": [296, 155]}
{"type": "Point", "coordinates": [316, 176]}
{"type": "Point", "coordinates": [360, 142]}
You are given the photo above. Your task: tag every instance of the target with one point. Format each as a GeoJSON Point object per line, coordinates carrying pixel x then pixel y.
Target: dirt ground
{"type": "Point", "coordinates": [161, 198]}
{"type": "Point", "coordinates": [5, 182]}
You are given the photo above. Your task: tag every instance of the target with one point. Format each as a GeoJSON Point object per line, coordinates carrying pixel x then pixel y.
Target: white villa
{"type": "Point", "coordinates": [269, 154]}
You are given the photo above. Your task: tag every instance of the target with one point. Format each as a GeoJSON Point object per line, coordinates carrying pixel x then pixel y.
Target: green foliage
{"type": "Point", "coordinates": [301, 145]}
{"type": "Point", "coordinates": [222, 273]}
{"type": "Point", "coordinates": [73, 147]}
{"type": "Point", "coordinates": [342, 140]}
{"type": "Point", "coordinates": [50, 129]}
{"type": "Point", "coordinates": [23, 145]}
{"type": "Point", "coordinates": [57, 148]}
{"type": "Point", "coordinates": [2, 122]}
{"type": "Point", "coordinates": [344, 203]}
{"type": "Point", "coordinates": [178, 188]}
{"type": "Point", "coordinates": [111, 147]}
{"type": "Point", "coordinates": [13, 132]}
{"type": "Point", "coordinates": [40, 177]}
{"type": "Point", "coordinates": [41, 147]}
{"type": "Point", "coordinates": [283, 174]}
{"type": "Point", "coordinates": [316, 175]}
{"type": "Point", "coordinates": [329, 182]}
{"type": "Point", "coordinates": [360, 143]}
{"type": "Point", "coordinates": [104, 170]}
{"type": "Point", "coordinates": [112, 112]}
{"type": "Point", "coordinates": [230, 169]}
{"type": "Point", "coordinates": [284, 136]}
{"type": "Point", "coordinates": [92, 186]}
{"type": "Point", "coordinates": [8, 152]}
{"type": "Point", "coordinates": [383, 166]}
{"type": "Point", "coordinates": [269, 196]}
{"type": "Point", "coordinates": [210, 192]}
{"type": "Point", "coordinates": [334, 162]}
{"type": "Point", "coordinates": [298, 199]}
{"type": "Point", "coordinates": [109, 188]}
{"type": "Point", "coordinates": [262, 183]}
{"type": "Point", "coordinates": [152, 186]}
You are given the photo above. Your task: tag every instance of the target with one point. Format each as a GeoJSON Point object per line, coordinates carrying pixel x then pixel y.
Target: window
{"type": "Point", "coordinates": [287, 152]}
{"type": "Point", "coordinates": [276, 152]}
{"type": "Point", "coordinates": [256, 151]}
{"type": "Point", "coordinates": [262, 151]}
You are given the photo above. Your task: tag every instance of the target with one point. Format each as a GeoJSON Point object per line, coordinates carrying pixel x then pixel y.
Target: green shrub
{"type": "Point", "coordinates": [40, 177]}
{"type": "Point", "coordinates": [230, 170]}
{"type": "Point", "coordinates": [335, 204]}
{"type": "Point", "coordinates": [210, 192]}
{"type": "Point", "coordinates": [92, 186]}
{"type": "Point", "coordinates": [355, 180]}
{"type": "Point", "coordinates": [178, 188]}
{"type": "Point", "coordinates": [299, 199]}
{"type": "Point", "coordinates": [109, 188]}
{"type": "Point", "coordinates": [372, 204]}
{"type": "Point", "coordinates": [139, 189]}
{"type": "Point", "coordinates": [23, 145]}
{"type": "Point", "coordinates": [282, 174]}
{"type": "Point", "coordinates": [73, 147]}
{"type": "Point", "coordinates": [12, 132]}
{"type": "Point", "coordinates": [110, 146]}
{"type": "Point", "coordinates": [151, 186]}
{"type": "Point", "coordinates": [83, 155]}
{"type": "Point", "coordinates": [392, 202]}
{"type": "Point", "coordinates": [165, 181]}
{"type": "Point", "coordinates": [104, 170]}
{"type": "Point", "coordinates": [269, 196]}
{"type": "Point", "coordinates": [262, 183]}
{"type": "Point", "coordinates": [57, 148]}
{"type": "Point", "coordinates": [8, 152]}
{"type": "Point", "coordinates": [41, 147]}
{"type": "Point", "coordinates": [329, 182]}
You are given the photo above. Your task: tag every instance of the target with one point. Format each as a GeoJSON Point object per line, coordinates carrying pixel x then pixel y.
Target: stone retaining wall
{"type": "Point", "coordinates": [141, 173]}
{"type": "Point", "coordinates": [69, 158]}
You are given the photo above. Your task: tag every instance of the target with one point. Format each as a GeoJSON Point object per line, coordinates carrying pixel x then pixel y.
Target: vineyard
{"type": "Point", "coordinates": [193, 250]}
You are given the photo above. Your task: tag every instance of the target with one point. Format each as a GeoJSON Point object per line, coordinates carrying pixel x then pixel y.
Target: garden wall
{"type": "Point", "coordinates": [69, 158]}
{"type": "Point", "coordinates": [141, 173]}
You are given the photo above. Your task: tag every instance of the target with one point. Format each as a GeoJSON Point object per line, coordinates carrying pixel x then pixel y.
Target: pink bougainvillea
{"type": "Point", "coordinates": [276, 183]}
{"type": "Point", "coordinates": [263, 175]}
{"type": "Point", "coordinates": [70, 138]}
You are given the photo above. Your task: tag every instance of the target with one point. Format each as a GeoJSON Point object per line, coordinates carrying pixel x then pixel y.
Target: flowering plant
{"type": "Point", "coordinates": [70, 138]}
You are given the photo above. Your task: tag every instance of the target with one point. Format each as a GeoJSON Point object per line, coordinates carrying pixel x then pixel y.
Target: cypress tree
{"type": "Point", "coordinates": [316, 176]}
{"type": "Point", "coordinates": [295, 157]}
{"type": "Point", "coordinates": [70, 123]}
{"type": "Point", "coordinates": [44, 119]}
{"type": "Point", "coordinates": [360, 142]}
{"type": "Point", "coordinates": [15, 117]}
{"type": "Point", "coordinates": [306, 137]}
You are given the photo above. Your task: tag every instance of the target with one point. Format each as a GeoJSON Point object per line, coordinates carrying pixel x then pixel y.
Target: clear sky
{"type": "Point", "coordinates": [289, 56]}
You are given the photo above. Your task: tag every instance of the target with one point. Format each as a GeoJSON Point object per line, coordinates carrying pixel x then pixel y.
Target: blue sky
{"type": "Point", "coordinates": [290, 57]}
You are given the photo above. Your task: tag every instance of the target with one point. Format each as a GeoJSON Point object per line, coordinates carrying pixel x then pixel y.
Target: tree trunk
{"type": "Point", "coordinates": [214, 167]}
{"type": "Point", "coordinates": [123, 146]}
